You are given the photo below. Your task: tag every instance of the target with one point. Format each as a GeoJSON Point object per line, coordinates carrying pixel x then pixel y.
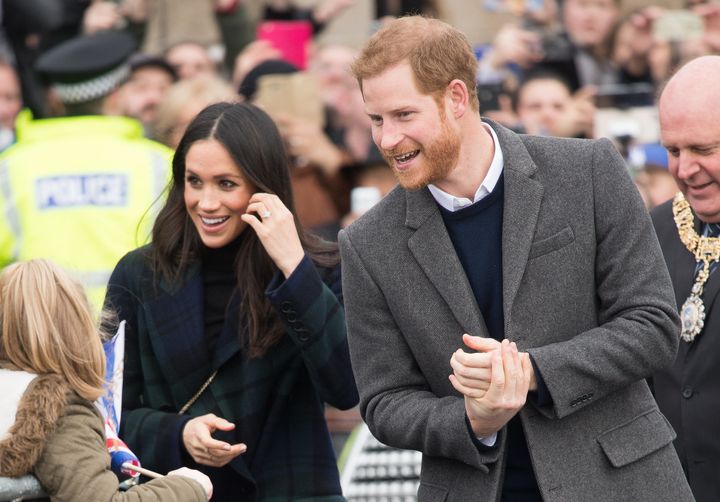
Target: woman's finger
{"type": "Point", "coordinates": [229, 453]}
{"type": "Point", "coordinates": [255, 223]}
{"type": "Point", "coordinates": [211, 444]}
{"type": "Point", "coordinates": [259, 208]}
{"type": "Point", "coordinates": [271, 200]}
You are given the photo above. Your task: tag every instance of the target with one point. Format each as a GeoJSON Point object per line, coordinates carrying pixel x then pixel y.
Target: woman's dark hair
{"type": "Point", "coordinates": [254, 143]}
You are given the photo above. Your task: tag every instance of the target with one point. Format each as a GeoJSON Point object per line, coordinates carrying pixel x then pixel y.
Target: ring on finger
{"type": "Point", "coordinates": [265, 214]}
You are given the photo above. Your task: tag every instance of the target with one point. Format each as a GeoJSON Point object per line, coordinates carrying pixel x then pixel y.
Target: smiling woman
{"type": "Point", "coordinates": [216, 193]}
{"type": "Point", "coordinates": [234, 315]}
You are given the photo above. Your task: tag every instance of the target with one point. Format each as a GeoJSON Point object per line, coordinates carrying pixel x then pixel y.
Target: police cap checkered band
{"type": "Point", "coordinates": [82, 92]}
{"type": "Point", "coordinates": [87, 67]}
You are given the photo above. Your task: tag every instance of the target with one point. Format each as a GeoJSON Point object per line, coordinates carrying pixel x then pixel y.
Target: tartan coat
{"type": "Point", "coordinates": [276, 401]}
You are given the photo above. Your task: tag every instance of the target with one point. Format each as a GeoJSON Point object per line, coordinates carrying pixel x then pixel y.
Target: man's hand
{"type": "Point", "coordinates": [489, 406]}
{"type": "Point", "coordinates": [473, 370]}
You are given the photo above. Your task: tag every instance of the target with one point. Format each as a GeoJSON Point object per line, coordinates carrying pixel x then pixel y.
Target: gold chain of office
{"type": "Point", "coordinates": [706, 250]}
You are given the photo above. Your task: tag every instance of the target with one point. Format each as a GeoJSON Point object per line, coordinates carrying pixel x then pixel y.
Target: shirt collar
{"type": "Point", "coordinates": [452, 203]}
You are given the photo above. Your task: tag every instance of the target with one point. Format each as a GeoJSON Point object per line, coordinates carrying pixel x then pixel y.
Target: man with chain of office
{"type": "Point", "coordinates": [688, 227]}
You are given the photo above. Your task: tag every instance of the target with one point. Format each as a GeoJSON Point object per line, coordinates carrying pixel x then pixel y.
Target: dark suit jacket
{"type": "Point", "coordinates": [585, 292]}
{"type": "Point", "coordinates": [276, 401]}
{"type": "Point", "coordinates": [688, 393]}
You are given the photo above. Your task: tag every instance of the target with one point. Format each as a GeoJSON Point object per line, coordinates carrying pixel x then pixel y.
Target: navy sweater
{"type": "Point", "coordinates": [476, 234]}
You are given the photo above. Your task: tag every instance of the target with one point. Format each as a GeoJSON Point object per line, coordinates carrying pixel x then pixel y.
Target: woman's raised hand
{"type": "Point", "coordinates": [275, 227]}
{"type": "Point", "coordinates": [203, 448]}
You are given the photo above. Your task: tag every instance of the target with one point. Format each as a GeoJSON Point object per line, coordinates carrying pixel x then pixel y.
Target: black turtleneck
{"type": "Point", "coordinates": [219, 283]}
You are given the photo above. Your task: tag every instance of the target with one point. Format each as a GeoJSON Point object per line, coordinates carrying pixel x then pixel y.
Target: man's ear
{"type": "Point", "coordinates": [458, 95]}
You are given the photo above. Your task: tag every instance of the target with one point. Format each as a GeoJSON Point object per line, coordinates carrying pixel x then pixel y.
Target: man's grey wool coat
{"type": "Point", "coordinates": [585, 291]}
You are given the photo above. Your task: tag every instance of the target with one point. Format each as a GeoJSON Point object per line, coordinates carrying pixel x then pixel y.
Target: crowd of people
{"type": "Point", "coordinates": [483, 220]}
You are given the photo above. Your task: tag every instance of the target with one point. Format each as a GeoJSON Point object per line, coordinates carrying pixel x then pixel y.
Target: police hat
{"type": "Point", "coordinates": [88, 67]}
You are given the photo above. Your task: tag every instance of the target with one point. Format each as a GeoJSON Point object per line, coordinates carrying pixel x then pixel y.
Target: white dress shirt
{"type": "Point", "coordinates": [452, 203]}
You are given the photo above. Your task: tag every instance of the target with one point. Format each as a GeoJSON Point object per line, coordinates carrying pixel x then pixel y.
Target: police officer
{"type": "Point", "coordinates": [79, 189]}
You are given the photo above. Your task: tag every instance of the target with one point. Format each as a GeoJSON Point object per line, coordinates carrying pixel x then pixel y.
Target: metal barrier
{"type": "Point", "coordinates": [28, 487]}
{"type": "Point", "coordinates": [25, 487]}
{"type": "Point", "coordinates": [374, 472]}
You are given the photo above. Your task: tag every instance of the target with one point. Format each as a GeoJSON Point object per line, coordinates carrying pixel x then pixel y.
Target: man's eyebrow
{"type": "Point", "coordinates": [397, 109]}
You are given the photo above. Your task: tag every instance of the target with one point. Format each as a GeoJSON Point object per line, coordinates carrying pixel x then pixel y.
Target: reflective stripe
{"type": "Point", "coordinates": [78, 190]}
{"type": "Point", "coordinates": [160, 172]}
{"type": "Point", "coordinates": [11, 213]}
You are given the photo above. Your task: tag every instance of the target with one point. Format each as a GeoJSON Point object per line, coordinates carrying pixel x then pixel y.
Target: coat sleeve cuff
{"type": "Point", "coordinates": [484, 445]}
{"type": "Point", "coordinates": [540, 397]}
{"type": "Point", "coordinates": [175, 453]}
{"type": "Point", "coordinates": [299, 290]}
{"type": "Point", "coordinates": [296, 301]}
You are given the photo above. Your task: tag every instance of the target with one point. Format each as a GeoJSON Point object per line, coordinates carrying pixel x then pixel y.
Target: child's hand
{"type": "Point", "coordinates": [197, 476]}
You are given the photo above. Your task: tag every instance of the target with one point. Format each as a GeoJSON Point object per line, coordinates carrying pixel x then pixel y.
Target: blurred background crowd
{"type": "Point", "coordinates": [574, 68]}
{"type": "Point", "coordinates": [578, 68]}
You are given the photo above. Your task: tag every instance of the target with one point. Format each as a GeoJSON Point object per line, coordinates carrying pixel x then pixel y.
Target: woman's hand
{"type": "Point", "coordinates": [275, 227]}
{"type": "Point", "coordinates": [196, 476]}
{"type": "Point", "coordinates": [203, 448]}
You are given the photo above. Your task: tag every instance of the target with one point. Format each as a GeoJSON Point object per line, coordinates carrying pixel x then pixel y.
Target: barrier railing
{"type": "Point", "coordinates": [25, 487]}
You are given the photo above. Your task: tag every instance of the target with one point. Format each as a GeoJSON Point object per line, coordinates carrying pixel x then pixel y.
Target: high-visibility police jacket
{"type": "Point", "coordinates": [81, 191]}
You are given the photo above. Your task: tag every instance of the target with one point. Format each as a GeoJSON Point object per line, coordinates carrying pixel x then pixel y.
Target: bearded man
{"type": "Point", "coordinates": [507, 301]}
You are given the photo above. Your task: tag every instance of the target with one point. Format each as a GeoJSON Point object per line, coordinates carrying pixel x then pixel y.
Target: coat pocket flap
{"type": "Point", "coordinates": [636, 438]}
{"type": "Point", "coordinates": [552, 243]}
{"type": "Point", "coordinates": [431, 493]}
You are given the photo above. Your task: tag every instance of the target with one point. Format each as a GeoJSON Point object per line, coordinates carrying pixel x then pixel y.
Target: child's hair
{"type": "Point", "coordinates": [46, 326]}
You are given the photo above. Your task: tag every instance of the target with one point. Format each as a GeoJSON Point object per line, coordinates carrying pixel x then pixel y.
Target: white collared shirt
{"type": "Point", "coordinates": [452, 203]}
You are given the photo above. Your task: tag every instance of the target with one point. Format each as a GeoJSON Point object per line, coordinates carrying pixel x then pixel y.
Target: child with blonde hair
{"type": "Point", "coordinates": [52, 368]}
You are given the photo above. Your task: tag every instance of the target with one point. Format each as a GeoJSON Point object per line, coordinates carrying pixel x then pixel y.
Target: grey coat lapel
{"type": "Point", "coordinates": [432, 248]}
{"type": "Point", "coordinates": [523, 196]}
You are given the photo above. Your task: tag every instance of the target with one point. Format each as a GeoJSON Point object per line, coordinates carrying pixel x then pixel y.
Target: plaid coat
{"type": "Point", "coordinates": [275, 401]}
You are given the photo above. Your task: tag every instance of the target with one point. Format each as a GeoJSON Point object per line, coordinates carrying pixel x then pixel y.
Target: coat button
{"type": "Point", "coordinates": [687, 392]}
